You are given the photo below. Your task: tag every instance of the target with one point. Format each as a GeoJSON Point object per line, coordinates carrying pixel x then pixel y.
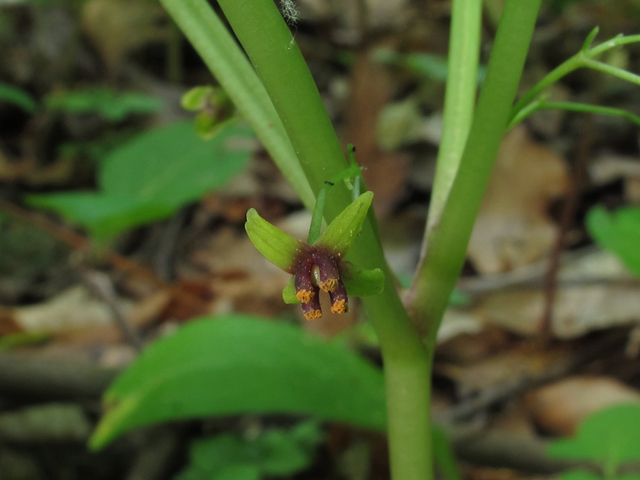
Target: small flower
{"type": "Point", "coordinates": [320, 266]}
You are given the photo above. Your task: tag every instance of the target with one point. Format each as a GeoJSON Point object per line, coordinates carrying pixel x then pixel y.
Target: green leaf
{"type": "Point", "coordinates": [618, 232]}
{"type": "Point", "coordinates": [18, 339]}
{"type": "Point", "coordinates": [112, 106]}
{"type": "Point", "coordinates": [18, 97]}
{"type": "Point", "coordinates": [104, 215]}
{"type": "Point", "coordinates": [579, 475]}
{"type": "Point", "coordinates": [241, 364]}
{"type": "Point", "coordinates": [273, 452]}
{"type": "Point", "coordinates": [610, 436]}
{"type": "Point", "coordinates": [278, 247]}
{"type": "Point", "coordinates": [628, 476]}
{"type": "Point", "coordinates": [172, 164]}
{"type": "Point", "coordinates": [152, 176]}
{"type": "Point", "coordinates": [342, 231]}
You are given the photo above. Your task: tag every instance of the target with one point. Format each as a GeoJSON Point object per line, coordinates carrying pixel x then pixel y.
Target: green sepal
{"type": "Point", "coordinates": [278, 247]}
{"type": "Point", "coordinates": [289, 292]}
{"type": "Point", "coordinates": [341, 233]}
{"type": "Point", "coordinates": [361, 282]}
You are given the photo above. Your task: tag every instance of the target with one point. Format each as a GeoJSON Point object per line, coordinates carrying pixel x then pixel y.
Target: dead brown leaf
{"type": "Point", "coordinates": [371, 90]}
{"type": "Point", "coordinates": [513, 228]}
{"type": "Point", "coordinates": [116, 27]}
{"type": "Point", "coordinates": [560, 407]}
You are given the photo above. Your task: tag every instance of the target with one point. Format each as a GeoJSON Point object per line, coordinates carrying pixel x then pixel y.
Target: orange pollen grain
{"type": "Point", "coordinates": [329, 285]}
{"type": "Point", "coordinates": [339, 306]}
{"type": "Point", "coordinates": [313, 314]}
{"type": "Point", "coordinates": [305, 296]}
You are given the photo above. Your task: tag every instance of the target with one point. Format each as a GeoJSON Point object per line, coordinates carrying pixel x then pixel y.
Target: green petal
{"type": "Point", "coordinates": [361, 282]}
{"type": "Point", "coordinates": [278, 247]}
{"type": "Point", "coordinates": [341, 233]}
{"type": "Point", "coordinates": [289, 292]}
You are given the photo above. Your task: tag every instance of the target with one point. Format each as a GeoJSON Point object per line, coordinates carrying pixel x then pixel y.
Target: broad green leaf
{"type": "Point", "coordinates": [241, 364]}
{"type": "Point", "coordinates": [19, 339]}
{"type": "Point", "coordinates": [618, 232]}
{"type": "Point", "coordinates": [278, 247]}
{"type": "Point", "coordinates": [342, 231]}
{"type": "Point", "coordinates": [273, 452]}
{"type": "Point", "coordinates": [628, 476]}
{"type": "Point", "coordinates": [152, 176]}
{"type": "Point", "coordinates": [173, 164]}
{"type": "Point", "coordinates": [579, 475]}
{"type": "Point", "coordinates": [18, 97]}
{"type": "Point", "coordinates": [610, 436]}
{"type": "Point", "coordinates": [104, 215]}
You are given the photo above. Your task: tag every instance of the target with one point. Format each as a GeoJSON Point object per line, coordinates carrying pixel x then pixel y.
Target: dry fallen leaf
{"type": "Point", "coordinates": [513, 228]}
{"type": "Point", "coordinates": [116, 27]}
{"type": "Point", "coordinates": [560, 407]}
{"type": "Point", "coordinates": [371, 90]}
{"type": "Point", "coordinates": [580, 305]}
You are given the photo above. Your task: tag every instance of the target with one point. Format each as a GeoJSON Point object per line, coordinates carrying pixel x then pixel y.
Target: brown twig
{"type": "Point", "coordinates": [101, 285]}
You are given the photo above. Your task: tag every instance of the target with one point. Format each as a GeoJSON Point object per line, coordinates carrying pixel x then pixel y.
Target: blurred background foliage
{"type": "Point", "coordinates": [122, 203]}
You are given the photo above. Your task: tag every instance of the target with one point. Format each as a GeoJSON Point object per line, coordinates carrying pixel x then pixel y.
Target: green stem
{"type": "Point", "coordinates": [226, 61]}
{"type": "Point", "coordinates": [611, 70]}
{"type": "Point", "coordinates": [459, 101]}
{"type": "Point", "coordinates": [584, 58]}
{"type": "Point", "coordinates": [572, 107]}
{"type": "Point", "coordinates": [281, 67]}
{"type": "Point", "coordinates": [447, 242]}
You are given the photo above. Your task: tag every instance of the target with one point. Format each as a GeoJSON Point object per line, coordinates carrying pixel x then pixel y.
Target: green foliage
{"type": "Point", "coordinates": [609, 437]}
{"type": "Point", "coordinates": [241, 364]}
{"type": "Point", "coordinates": [429, 66]}
{"type": "Point", "coordinates": [443, 454]}
{"type": "Point", "coordinates": [151, 177]}
{"type": "Point", "coordinates": [110, 105]}
{"type": "Point", "coordinates": [213, 106]}
{"type": "Point", "coordinates": [18, 339]}
{"type": "Point", "coordinates": [273, 452]}
{"type": "Point", "coordinates": [618, 232]}
{"type": "Point", "coordinates": [18, 97]}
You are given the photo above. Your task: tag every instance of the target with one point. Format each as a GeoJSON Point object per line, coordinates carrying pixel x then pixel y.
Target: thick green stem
{"type": "Point", "coordinates": [281, 68]}
{"type": "Point", "coordinates": [447, 242]}
{"type": "Point", "coordinates": [226, 61]}
{"type": "Point", "coordinates": [459, 100]}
